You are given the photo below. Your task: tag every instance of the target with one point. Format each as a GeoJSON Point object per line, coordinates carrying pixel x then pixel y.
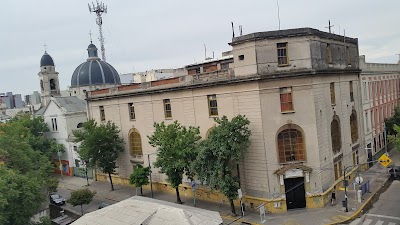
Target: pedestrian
{"type": "Point", "coordinates": [333, 196]}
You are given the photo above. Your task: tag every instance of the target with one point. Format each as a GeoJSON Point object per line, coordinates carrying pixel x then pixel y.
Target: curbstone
{"type": "Point", "coordinates": [367, 204]}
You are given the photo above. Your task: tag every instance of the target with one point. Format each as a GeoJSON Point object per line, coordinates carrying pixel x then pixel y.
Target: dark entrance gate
{"type": "Point", "coordinates": [295, 193]}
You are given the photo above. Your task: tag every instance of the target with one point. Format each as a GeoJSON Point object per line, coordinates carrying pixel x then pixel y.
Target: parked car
{"type": "Point", "coordinates": [102, 205]}
{"type": "Point", "coordinates": [395, 172]}
{"type": "Point", "coordinates": [57, 199]}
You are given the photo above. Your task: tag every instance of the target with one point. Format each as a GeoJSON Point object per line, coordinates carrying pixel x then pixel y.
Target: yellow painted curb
{"type": "Point", "coordinates": [239, 220]}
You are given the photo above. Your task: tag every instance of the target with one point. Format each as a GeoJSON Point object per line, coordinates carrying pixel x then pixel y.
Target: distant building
{"type": "Point", "coordinates": [380, 85]}
{"type": "Point", "coordinates": [12, 101]}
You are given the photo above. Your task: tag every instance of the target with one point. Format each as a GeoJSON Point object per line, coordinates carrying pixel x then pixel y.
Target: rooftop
{"type": "Point", "coordinates": [298, 32]}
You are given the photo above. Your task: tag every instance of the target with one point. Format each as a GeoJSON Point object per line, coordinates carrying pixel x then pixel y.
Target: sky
{"type": "Point", "coordinates": [153, 34]}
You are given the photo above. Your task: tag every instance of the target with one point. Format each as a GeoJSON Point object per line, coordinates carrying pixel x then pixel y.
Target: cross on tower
{"type": "Point", "coordinates": [45, 47]}
{"type": "Point", "coordinates": [90, 35]}
{"type": "Point", "coordinates": [329, 26]}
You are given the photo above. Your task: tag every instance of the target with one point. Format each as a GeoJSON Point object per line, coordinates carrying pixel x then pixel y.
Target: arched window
{"type": "Point", "coordinates": [291, 146]}
{"type": "Point", "coordinates": [80, 125]}
{"type": "Point", "coordinates": [208, 132]}
{"type": "Point", "coordinates": [135, 143]}
{"type": "Point", "coordinates": [354, 126]}
{"type": "Point", "coordinates": [335, 134]}
{"type": "Point", "coordinates": [41, 85]}
{"type": "Point", "coordinates": [52, 84]}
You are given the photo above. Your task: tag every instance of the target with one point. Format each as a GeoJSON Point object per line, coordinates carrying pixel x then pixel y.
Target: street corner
{"type": "Point", "coordinates": [338, 219]}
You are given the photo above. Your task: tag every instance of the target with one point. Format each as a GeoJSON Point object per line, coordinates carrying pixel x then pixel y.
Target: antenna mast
{"type": "Point", "coordinates": [99, 8]}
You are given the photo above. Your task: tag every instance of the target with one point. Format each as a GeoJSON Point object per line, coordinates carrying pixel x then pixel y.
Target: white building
{"type": "Point", "coordinates": [63, 115]}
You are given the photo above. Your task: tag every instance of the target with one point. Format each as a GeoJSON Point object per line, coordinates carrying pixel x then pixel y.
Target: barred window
{"type": "Point", "coordinates": [354, 126]}
{"type": "Point", "coordinates": [336, 135]}
{"type": "Point", "coordinates": [291, 146]}
{"type": "Point", "coordinates": [332, 90]}
{"type": "Point", "coordinates": [167, 108]}
{"type": "Point", "coordinates": [135, 142]}
{"type": "Point", "coordinates": [131, 109]}
{"type": "Point", "coordinates": [102, 113]}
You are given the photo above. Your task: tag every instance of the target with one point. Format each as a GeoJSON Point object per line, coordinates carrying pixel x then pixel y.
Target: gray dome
{"type": "Point", "coordinates": [94, 71]}
{"type": "Point", "coordinates": [46, 60]}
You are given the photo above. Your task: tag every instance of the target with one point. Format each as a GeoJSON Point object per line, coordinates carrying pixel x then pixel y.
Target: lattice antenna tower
{"type": "Point", "coordinates": [99, 8]}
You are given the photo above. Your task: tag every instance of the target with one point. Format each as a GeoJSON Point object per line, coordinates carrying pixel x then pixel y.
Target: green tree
{"type": "Point", "coordinates": [393, 120]}
{"type": "Point", "coordinates": [140, 177]}
{"type": "Point", "coordinates": [80, 197]}
{"type": "Point", "coordinates": [25, 175]}
{"type": "Point", "coordinates": [177, 149]}
{"type": "Point", "coordinates": [34, 129]}
{"type": "Point", "coordinates": [100, 145]}
{"type": "Point", "coordinates": [218, 155]}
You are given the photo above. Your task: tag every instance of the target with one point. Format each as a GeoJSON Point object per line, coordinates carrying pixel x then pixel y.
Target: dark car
{"type": "Point", "coordinates": [102, 205]}
{"type": "Point", "coordinates": [57, 199]}
{"type": "Point", "coordinates": [395, 172]}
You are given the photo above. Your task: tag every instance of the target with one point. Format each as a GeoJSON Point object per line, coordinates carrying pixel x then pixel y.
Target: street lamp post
{"type": "Point", "coordinates": [151, 182]}
{"type": "Point", "coordinates": [60, 166]}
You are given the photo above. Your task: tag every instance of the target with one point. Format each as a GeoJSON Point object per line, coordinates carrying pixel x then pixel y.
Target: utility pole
{"type": "Point", "coordinates": [99, 8]}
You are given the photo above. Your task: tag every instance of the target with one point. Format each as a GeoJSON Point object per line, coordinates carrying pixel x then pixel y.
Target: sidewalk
{"type": "Point", "coordinates": [377, 175]}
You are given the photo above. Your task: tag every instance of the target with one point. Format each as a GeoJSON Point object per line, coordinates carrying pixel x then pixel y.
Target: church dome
{"type": "Point", "coordinates": [94, 71]}
{"type": "Point", "coordinates": [46, 60]}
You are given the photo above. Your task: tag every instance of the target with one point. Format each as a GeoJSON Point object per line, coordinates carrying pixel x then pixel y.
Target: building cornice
{"type": "Point", "coordinates": [223, 82]}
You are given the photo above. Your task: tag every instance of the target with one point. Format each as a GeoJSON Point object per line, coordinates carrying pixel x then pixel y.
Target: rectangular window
{"type": "Point", "coordinates": [102, 113]}
{"type": "Point", "coordinates": [224, 66]}
{"type": "Point", "coordinates": [366, 120]}
{"type": "Point", "coordinates": [332, 89]}
{"type": "Point", "coordinates": [167, 108]}
{"type": "Point", "coordinates": [328, 54]}
{"type": "Point", "coordinates": [286, 99]}
{"type": "Point", "coordinates": [282, 54]}
{"type": "Point", "coordinates": [338, 170]}
{"type": "Point", "coordinates": [348, 61]}
{"type": "Point", "coordinates": [241, 57]}
{"type": "Point", "coordinates": [351, 91]}
{"type": "Point", "coordinates": [131, 108]}
{"type": "Point", "coordinates": [365, 90]}
{"type": "Point", "coordinates": [212, 105]}
{"type": "Point", "coordinates": [54, 124]}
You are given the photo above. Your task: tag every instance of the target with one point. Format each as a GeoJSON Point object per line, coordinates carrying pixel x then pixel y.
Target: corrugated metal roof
{"type": "Point", "coordinates": [71, 104]}
{"type": "Point", "coordinates": [146, 211]}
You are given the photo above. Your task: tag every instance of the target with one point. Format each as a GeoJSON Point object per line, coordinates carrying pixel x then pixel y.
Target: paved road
{"type": "Point", "coordinates": [94, 205]}
{"type": "Point", "coordinates": [386, 211]}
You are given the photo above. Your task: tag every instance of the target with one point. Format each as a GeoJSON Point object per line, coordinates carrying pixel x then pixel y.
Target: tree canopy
{"type": "Point", "coordinates": [176, 150]}
{"type": "Point", "coordinates": [218, 155]}
{"type": "Point", "coordinates": [140, 177]}
{"type": "Point", "coordinates": [80, 197]}
{"type": "Point", "coordinates": [25, 172]}
{"type": "Point", "coordinates": [100, 145]}
{"type": "Point", "coordinates": [391, 121]}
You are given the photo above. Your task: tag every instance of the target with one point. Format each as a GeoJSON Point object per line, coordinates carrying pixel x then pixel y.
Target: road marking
{"type": "Point", "coordinates": [391, 223]}
{"type": "Point", "coordinates": [380, 222]}
{"type": "Point", "coordinates": [355, 222]}
{"type": "Point", "coordinates": [367, 222]}
{"type": "Point", "coordinates": [383, 216]}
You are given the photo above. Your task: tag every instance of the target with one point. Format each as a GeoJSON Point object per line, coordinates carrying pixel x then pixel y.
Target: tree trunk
{"type": "Point", "coordinates": [141, 190]}
{"type": "Point", "coordinates": [233, 210]}
{"type": "Point", "coordinates": [82, 209]}
{"type": "Point", "coordinates": [87, 178]}
{"type": "Point", "coordinates": [178, 198]}
{"type": "Point", "coordinates": [112, 186]}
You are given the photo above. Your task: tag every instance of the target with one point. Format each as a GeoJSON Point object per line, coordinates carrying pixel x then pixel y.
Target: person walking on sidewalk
{"type": "Point", "coordinates": [333, 196]}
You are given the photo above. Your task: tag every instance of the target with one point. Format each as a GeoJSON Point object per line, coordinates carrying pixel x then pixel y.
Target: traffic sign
{"type": "Point", "coordinates": [385, 160]}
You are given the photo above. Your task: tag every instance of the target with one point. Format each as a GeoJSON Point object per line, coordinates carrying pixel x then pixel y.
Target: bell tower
{"type": "Point", "coordinates": [49, 83]}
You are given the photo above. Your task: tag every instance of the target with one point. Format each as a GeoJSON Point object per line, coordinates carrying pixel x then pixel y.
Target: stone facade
{"type": "Point", "coordinates": [380, 85]}
{"type": "Point", "coordinates": [253, 86]}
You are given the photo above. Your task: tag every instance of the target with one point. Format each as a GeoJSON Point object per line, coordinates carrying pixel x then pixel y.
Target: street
{"type": "Point", "coordinates": [386, 210]}
{"type": "Point", "coordinates": [94, 205]}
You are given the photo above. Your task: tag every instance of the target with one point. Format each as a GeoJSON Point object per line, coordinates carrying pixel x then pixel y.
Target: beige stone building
{"type": "Point", "coordinates": [300, 90]}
